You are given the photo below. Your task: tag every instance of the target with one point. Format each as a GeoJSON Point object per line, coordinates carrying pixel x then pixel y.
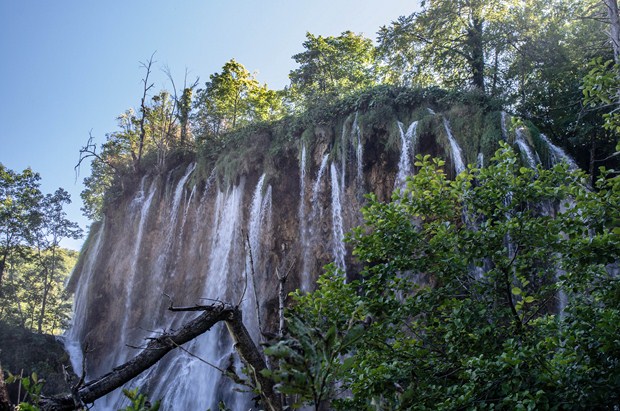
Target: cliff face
{"type": "Point", "coordinates": [181, 238]}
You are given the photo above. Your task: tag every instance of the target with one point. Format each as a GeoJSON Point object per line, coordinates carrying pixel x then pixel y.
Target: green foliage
{"type": "Point", "coordinates": [460, 299]}
{"type": "Point", "coordinates": [232, 99]}
{"type": "Point", "coordinates": [139, 402]}
{"type": "Point", "coordinates": [321, 332]}
{"type": "Point", "coordinates": [32, 390]}
{"type": "Point", "coordinates": [332, 67]}
{"type": "Point", "coordinates": [32, 265]}
{"type": "Point", "coordinates": [600, 90]}
{"type": "Point", "coordinates": [445, 43]}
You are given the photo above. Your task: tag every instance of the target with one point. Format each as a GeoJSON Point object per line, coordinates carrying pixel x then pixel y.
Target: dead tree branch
{"type": "Point", "coordinates": [89, 150]}
{"type": "Point", "coordinates": [143, 109]}
{"type": "Point", "coordinates": [154, 351]}
{"type": "Point", "coordinates": [160, 346]}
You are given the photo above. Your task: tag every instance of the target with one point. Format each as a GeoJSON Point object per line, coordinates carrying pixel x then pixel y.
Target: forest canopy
{"type": "Point", "coordinates": [33, 265]}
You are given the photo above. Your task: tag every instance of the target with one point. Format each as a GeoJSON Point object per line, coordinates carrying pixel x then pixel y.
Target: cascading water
{"type": "Point", "coordinates": [338, 249]}
{"type": "Point", "coordinates": [408, 143]}
{"type": "Point", "coordinates": [261, 206]}
{"type": "Point", "coordinates": [504, 128]}
{"type": "Point", "coordinates": [81, 302]}
{"type": "Point", "coordinates": [225, 259]}
{"type": "Point", "coordinates": [359, 152]}
{"type": "Point", "coordinates": [558, 155]}
{"type": "Point", "coordinates": [129, 297]}
{"type": "Point", "coordinates": [525, 149]}
{"type": "Point", "coordinates": [313, 226]}
{"type": "Point", "coordinates": [303, 224]}
{"type": "Point", "coordinates": [456, 153]}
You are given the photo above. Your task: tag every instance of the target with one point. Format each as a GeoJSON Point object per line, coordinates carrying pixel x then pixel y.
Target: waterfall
{"type": "Point", "coordinates": [144, 212]}
{"type": "Point", "coordinates": [344, 151]}
{"type": "Point", "coordinates": [504, 128]}
{"type": "Point", "coordinates": [408, 143]}
{"type": "Point", "coordinates": [457, 154]}
{"type": "Point", "coordinates": [338, 249]}
{"type": "Point", "coordinates": [176, 200]}
{"type": "Point", "coordinates": [258, 215]}
{"type": "Point", "coordinates": [81, 302]}
{"type": "Point", "coordinates": [192, 377]}
{"type": "Point", "coordinates": [480, 161]}
{"type": "Point", "coordinates": [558, 155]}
{"type": "Point", "coordinates": [525, 149]}
{"type": "Point", "coordinates": [303, 224]}
{"type": "Point", "coordinates": [179, 236]}
{"type": "Point", "coordinates": [315, 216]}
{"type": "Point", "coordinates": [359, 151]}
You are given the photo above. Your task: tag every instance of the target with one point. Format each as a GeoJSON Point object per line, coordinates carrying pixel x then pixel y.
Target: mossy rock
{"type": "Point", "coordinates": [24, 352]}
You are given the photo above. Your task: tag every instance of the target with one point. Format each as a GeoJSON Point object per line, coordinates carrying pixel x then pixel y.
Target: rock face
{"type": "Point", "coordinates": [23, 352]}
{"type": "Point", "coordinates": [180, 238]}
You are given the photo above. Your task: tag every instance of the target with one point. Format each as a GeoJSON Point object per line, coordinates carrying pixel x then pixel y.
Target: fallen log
{"type": "Point", "coordinates": [153, 352]}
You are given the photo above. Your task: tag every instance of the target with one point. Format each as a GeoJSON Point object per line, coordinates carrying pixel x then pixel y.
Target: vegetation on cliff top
{"type": "Point", "coordinates": [530, 58]}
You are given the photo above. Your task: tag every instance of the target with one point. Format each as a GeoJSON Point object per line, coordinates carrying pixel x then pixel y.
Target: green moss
{"type": "Point", "coordinates": [491, 134]}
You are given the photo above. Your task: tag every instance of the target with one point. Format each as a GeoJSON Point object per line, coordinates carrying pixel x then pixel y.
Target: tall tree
{"type": "Point", "coordinates": [333, 66]}
{"type": "Point", "coordinates": [614, 27]}
{"type": "Point", "coordinates": [19, 212]}
{"type": "Point", "coordinates": [451, 38]}
{"type": "Point", "coordinates": [234, 98]}
{"type": "Point", "coordinates": [54, 227]}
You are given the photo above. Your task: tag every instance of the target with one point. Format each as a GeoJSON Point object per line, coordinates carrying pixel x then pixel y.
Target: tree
{"type": "Point", "coordinates": [474, 293]}
{"type": "Point", "coordinates": [36, 299]}
{"type": "Point", "coordinates": [332, 67]}
{"type": "Point", "coordinates": [232, 99]}
{"type": "Point", "coordinates": [449, 38]}
{"type": "Point", "coordinates": [19, 212]}
{"type": "Point", "coordinates": [31, 227]}
{"type": "Point", "coordinates": [614, 27]}
{"type": "Point", "coordinates": [55, 227]}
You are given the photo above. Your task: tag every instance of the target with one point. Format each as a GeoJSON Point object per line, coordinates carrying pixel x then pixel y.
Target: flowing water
{"type": "Point", "coordinates": [456, 152]}
{"type": "Point", "coordinates": [407, 151]}
{"type": "Point", "coordinates": [338, 249]}
{"type": "Point", "coordinates": [525, 149]}
{"type": "Point", "coordinates": [313, 225]}
{"type": "Point", "coordinates": [558, 155]}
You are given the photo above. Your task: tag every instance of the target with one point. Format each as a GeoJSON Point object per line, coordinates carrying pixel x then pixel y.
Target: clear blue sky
{"type": "Point", "coordinates": [67, 67]}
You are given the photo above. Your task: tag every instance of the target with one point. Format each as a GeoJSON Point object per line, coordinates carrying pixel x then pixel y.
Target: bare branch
{"type": "Point", "coordinates": [154, 351]}
{"type": "Point", "coordinates": [89, 150]}
{"type": "Point", "coordinates": [147, 66]}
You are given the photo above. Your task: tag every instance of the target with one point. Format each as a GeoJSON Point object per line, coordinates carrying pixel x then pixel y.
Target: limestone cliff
{"type": "Point", "coordinates": [288, 196]}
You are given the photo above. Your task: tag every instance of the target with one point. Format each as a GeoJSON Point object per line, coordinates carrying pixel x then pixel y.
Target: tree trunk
{"type": "Point", "coordinates": [254, 359]}
{"type": "Point", "coordinates": [160, 346]}
{"type": "Point", "coordinates": [46, 287]}
{"type": "Point", "coordinates": [153, 352]}
{"type": "Point", "coordinates": [5, 403]}
{"type": "Point", "coordinates": [3, 265]}
{"type": "Point", "coordinates": [614, 27]}
{"type": "Point", "coordinates": [476, 46]}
